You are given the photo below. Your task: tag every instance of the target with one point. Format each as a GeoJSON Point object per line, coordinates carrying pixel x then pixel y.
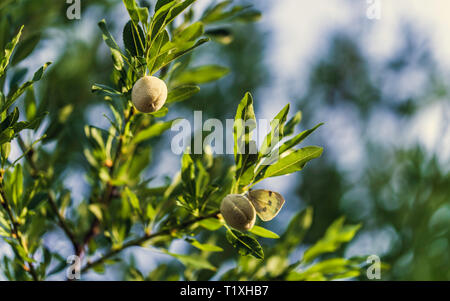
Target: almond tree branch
{"type": "Point", "coordinates": [141, 240]}
{"type": "Point", "coordinates": [28, 153]}
{"type": "Point", "coordinates": [94, 229]}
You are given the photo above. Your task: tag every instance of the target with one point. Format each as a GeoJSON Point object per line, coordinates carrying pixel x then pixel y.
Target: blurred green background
{"type": "Point", "coordinates": [381, 87]}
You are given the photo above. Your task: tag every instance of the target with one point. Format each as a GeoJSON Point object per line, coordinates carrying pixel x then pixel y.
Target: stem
{"type": "Point", "coordinates": [28, 154]}
{"type": "Point", "coordinates": [94, 229]}
{"type": "Point", "coordinates": [139, 241]}
{"type": "Point", "coordinates": [62, 223]}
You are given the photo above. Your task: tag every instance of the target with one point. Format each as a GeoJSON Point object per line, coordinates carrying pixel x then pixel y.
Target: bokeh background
{"type": "Point", "coordinates": [380, 86]}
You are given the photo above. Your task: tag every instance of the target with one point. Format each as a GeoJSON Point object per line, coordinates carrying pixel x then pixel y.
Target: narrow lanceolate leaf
{"type": "Point", "coordinates": [245, 149]}
{"type": "Point", "coordinates": [204, 247]}
{"type": "Point", "coordinates": [245, 244]}
{"type": "Point", "coordinates": [190, 33]}
{"type": "Point", "coordinates": [105, 89]}
{"type": "Point", "coordinates": [211, 224]}
{"type": "Point", "coordinates": [220, 35]}
{"type": "Point", "coordinates": [8, 52]}
{"type": "Point", "coordinates": [107, 37]}
{"type": "Point", "coordinates": [290, 125]}
{"type": "Point", "coordinates": [136, 13]}
{"type": "Point", "coordinates": [182, 93]}
{"type": "Point", "coordinates": [182, 50]}
{"type": "Point", "coordinates": [132, 198]}
{"type": "Point", "coordinates": [25, 48]}
{"type": "Point", "coordinates": [32, 124]}
{"type": "Point", "coordinates": [166, 14]}
{"type": "Point", "coordinates": [176, 10]}
{"type": "Point", "coordinates": [6, 135]}
{"type": "Point", "coordinates": [297, 139]}
{"type": "Point", "coordinates": [291, 163]}
{"type": "Point", "coordinates": [158, 52]}
{"type": "Point", "coordinates": [37, 76]}
{"type": "Point", "coordinates": [245, 123]}
{"type": "Point", "coordinates": [161, 3]}
{"type": "Point", "coordinates": [336, 235]}
{"type": "Point", "coordinates": [260, 231]}
{"type": "Point", "coordinates": [133, 38]}
{"type": "Point", "coordinates": [154, 130]}
{"type": "Point", "coordinates": [276, 133]}
{"type": "Point", "coordinates": [201, 75]}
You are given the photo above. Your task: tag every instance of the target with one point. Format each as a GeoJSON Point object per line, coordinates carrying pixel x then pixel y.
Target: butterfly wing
{"type": "Point", "coordinates": [267, 203]}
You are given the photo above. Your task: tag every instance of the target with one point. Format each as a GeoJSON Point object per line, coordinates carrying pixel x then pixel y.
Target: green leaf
{"type": "Point", "coordinates": [154, 130]}
{"type": "Point", "coordinates": [204, 247]}
{"type": "Point", "coordinates": [157, 53]}
{"type": "Point", "coordinates": [290, 125]}
{"type": "Point", "coordinates": [291, 163]}
{"type": "Point", "coordinates": [220, 35]}
{"type": "Point", "coordinates": [336, 235]}
{"type": "Point", "coordinates": [248, 16]}
{"type": "Point", "coordinates": [160, 113]}
{"type": "Point", "coordinates": [297, 139]}
{"type": "Point", "coordinates": [133, 38]}
{"type": "Point", "coordinates": [245, 113]}
{"type": "Point", "coordinates": [10, 120]}
{"type": "Point", "coordinates": [161, 3]}
{"type": "Point", "coordinates": [166, 14]}
{"type": "Point", "coordinates": [32, 124]}
{"type": "Point", "coordinates": [6, 136]}
{"type": "Point", "coordinates": [245, 149]}
{"type": "Point", "coordinates": [8, 52]}
{"type": "Point", "coordinates": [5, 150]}
{"type": "Point", "coordinates": [136, 13]}
{"type": "Point", "coordinates": [176, 10]}
{"type": "Point", "coordinates": [211, 224]}
{"type": "Point", "coordinates": [36, 77]}
{"type": "Point", "coordinates": [150, 212]}
{"type": "Point", "coordinates": [296, 230]}
{"type": "Point", "coordinates": [157, 23]}
{"type": "Point", "coordinates": [181, 50]}
{"type": "Point", "coordinates": [108, 38]}
{"type": "Point", "coordinates": [217, 12]}
{"type": "Point", "coordinates": [245, 244]}
{"type": "Point", "coordinates": [260, 231]}
{"type": "Point", "coordinates": [30, 103]}
{"type": "Point", "coordinates": [17, 188]}
{"type": "Point", "coordinates": [193, 261]}
{"type": "Point", "coordinates": [105, 89]}
{"type": "Point", "coordinates": [182, 93]}
{"type": "Point", "coordinates": [277, 131]}
{"type": "Point", "coordinates": [201, 75]}
{"type": "Point", "coordinates": [190, 33]}
{"type": "Point", "coordinates": [132, 198]}
{"type": "Point", "coordinates": [96, 209]}
{"type": "Point", "coordinates": [25, 48]}
{"type": "Point", "coordinates": [188, 172]}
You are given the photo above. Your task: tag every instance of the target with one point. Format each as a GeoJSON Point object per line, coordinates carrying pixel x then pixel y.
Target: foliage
{"type": "Point", "coordinates": [123, 209]}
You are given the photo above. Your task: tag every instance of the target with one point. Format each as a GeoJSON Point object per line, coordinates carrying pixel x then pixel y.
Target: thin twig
{"type": "Point", "coordinates": [139, 241]}
{"type": "Point", "coordinates": [28, 154]}
{"type": "Point", "coordinates": [62, 222]}
{"type": "Point", "coordinates": [94, 229]}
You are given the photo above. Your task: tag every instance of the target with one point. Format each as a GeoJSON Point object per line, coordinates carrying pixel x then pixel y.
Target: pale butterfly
{"type": "Point", "coordinates": [267, 203]}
